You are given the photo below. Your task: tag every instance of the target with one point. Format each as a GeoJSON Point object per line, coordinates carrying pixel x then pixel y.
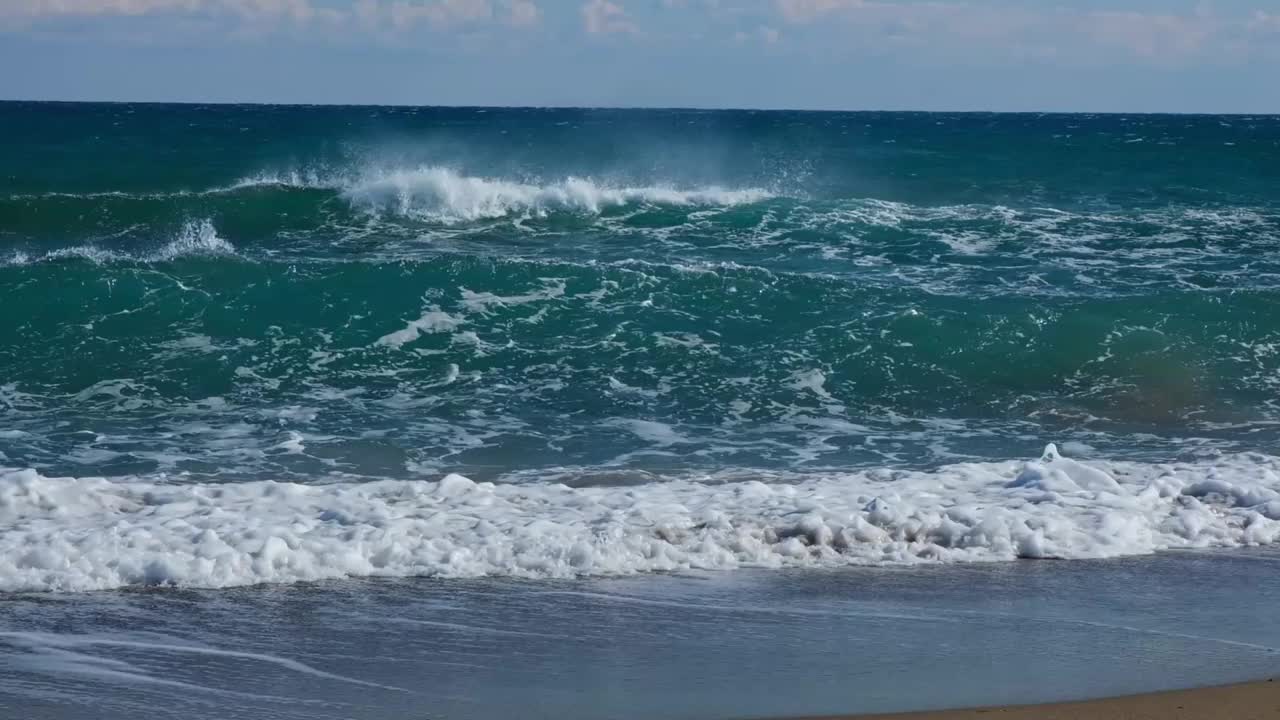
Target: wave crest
{"type": "Point", "coordinates": [439, 194]}
{"type": "Point", "coordinates": [196, 238]}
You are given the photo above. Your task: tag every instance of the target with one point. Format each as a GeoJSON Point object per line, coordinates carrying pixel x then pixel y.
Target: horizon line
{"type": "Point", "coordinates": [631, 108]}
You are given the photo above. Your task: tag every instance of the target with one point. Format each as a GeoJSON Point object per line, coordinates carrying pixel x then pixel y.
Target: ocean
{"type": "Point", "coordinates": [298, 348]}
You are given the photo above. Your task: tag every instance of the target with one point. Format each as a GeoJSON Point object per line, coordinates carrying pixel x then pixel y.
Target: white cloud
{"type": "Point", "coordinates": [601, 17]}
{"type": "Point", "coordinates": [1149, 35]}
{"type": "Point", "coordinates": [38, 8]}
{"type": "Point", "coordinates": [937, 24]}
{"type": "Point", "coordinates": [523, 13]}
{"type": "Point", "coordinates": [1062, 31]}
{"type": "Point", "coordinates": [247, 17]}
{"type": "Point", "coordinates": [401, 15]}
{"type": "Point", "coordinates": [300, 11]}
{"type": "Point", "coordinates": [1263, 21]}
{"type": "Point", "coordinates": [438, 13]}
{"type": "Point", "coordinates": [974, 27]}
{"type": "Point", "coordinates": [370, 14]}
{"type": "Point", "coordinates": [764, 34]}
{"type": "Point", "coordinates": [802, 11]}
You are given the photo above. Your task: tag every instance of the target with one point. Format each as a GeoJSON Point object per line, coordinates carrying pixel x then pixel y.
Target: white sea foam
{"type": "Point", "coordinates": [77, 534]}
{"type": "Point", "coordinates": [432, 320]}
{"type": "Point", "coordinates": [196, 237]}
{"type": "Point", "coordinates": [440, 194]}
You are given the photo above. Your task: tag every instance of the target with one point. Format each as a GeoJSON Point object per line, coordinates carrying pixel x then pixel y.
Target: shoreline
{"type": "Point", "coordinates": [1240, 701]}
{"type": "Point", "coordinates": [802, 644]}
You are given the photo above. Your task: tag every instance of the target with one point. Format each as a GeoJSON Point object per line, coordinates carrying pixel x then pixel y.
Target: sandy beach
{"type": "Point", "coordinates": [1246, 701]}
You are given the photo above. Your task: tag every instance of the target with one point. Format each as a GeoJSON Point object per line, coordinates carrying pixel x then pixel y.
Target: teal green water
{"type": "Point", "coordinates": [608, 296]}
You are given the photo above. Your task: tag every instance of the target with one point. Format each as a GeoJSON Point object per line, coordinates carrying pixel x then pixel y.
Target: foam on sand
{"type": "Point", "coordinates": [77, 534]}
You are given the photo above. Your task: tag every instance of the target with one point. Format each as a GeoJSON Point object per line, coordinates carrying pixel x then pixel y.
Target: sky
{"type": "Point", "coordinates": [989, 55]}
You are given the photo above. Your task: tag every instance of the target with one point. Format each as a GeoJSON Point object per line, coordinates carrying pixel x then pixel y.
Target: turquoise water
{"type": "Point", "coordinates": [523, 352]}
{"type": "Point", "coordinates": [200, 291]}
{"type": "Point", "coordinates": [248, 345]}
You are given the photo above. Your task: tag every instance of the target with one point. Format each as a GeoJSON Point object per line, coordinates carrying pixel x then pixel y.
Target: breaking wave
{"type": "Point", "coordinates": [441, 194]}
{"type": "Point", "coordinates": [84, 534]}
{"type": "Point", "coordinates": [195, 238]}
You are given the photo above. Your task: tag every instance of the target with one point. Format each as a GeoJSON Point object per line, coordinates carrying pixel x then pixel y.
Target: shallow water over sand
{"type": "Point", "coordinates": [700, 647]}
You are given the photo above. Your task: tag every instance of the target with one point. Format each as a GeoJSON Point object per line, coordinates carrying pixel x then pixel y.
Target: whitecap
{"type": "Point", "coordinates": [445, 195]}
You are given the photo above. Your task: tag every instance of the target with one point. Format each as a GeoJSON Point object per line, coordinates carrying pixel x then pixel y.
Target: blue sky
{"type": "Point", "coordinates": [1086, 55]}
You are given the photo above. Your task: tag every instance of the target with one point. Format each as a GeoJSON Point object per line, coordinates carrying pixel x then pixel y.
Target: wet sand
{"type": "Point", "coordinates": [1247, 701]}
{"type": "Point", "coordinates": [743, 644]}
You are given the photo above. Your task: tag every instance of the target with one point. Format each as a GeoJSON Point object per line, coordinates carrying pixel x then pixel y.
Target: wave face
{"type": "Point", "coordinates": [614, 322]}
